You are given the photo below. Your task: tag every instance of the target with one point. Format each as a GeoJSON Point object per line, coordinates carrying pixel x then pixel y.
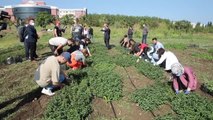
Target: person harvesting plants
{"type": "Point", "coordinates": [183, 77]}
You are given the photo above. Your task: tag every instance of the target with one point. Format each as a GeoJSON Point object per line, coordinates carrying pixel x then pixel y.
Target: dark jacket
{"type": "Point", "coordinates": [130, 31]}
{"type": "Point", "coordinates": [90, 31]}
{"type": "Point", "coordinates": [30, 34]}
{"type": "Point", "coordinates": [58, 31]}
{"type": "Point", "coordinates": [107, 32]}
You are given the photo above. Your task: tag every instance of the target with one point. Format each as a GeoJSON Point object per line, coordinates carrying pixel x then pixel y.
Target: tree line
{"type": "Point", "coordinates": [122, 21]}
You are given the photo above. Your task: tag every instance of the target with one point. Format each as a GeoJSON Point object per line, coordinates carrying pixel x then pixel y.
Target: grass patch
{"type": "Point", "coordinates": [178, 46]}
{"type": "Point", "coordinates": [205, 56]}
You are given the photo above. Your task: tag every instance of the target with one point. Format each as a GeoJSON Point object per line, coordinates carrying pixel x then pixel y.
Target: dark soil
{"type": "Point", "coordinates": [163, 110]}
{"type": "Point", "coordinates": [101, 109]}
{"type": "Point", "coordinates": [126, 110]}
{"type": "Point", "coordinates": [132, 80]}
{"type": "Point", "coordinates": [33, 109]}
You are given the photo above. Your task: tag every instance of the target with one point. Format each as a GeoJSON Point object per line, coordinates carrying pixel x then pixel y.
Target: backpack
{"type": "Point", "coordinates": [21, 33]}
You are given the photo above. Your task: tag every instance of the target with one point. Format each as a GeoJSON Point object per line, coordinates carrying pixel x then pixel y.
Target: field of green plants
{"type": "Point", "coordinates": [101, 80]}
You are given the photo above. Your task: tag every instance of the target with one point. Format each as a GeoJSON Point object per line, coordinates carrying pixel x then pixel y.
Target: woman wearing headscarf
{"type": "Point", "coordinates": [183, 78]}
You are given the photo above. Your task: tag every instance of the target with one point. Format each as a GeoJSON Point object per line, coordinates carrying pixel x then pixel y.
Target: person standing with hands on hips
{"type": "Point", "coordinates": [107, 32]}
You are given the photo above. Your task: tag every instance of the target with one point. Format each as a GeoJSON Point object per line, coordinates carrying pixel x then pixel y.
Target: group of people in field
{"type": "Point", "coordinates": [183, 77]}
{"type": "Point", "coordinates": [73, 52]}
{"type": "Point", "coordinates": [50, 74]}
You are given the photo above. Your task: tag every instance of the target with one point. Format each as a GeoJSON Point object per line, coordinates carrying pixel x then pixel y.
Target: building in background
{"type": "Point", "coordinates": [30, 8]}
{"type": "Point", "coordinates": [75, 12]}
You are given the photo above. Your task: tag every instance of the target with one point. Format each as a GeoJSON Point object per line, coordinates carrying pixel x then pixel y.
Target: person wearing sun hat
{"type": "Point", "coordinates": [49, 74]}
{"type": "Point", "coordinates": [183, 77]}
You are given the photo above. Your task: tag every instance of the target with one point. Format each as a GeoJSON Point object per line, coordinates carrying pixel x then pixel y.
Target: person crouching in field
{"type": "Point", "coordinates": [183, 78]}
{"type": "Point", "coordinates": [49, 75]}
{"type": "Point", "coordinates": [139, 50]}
{"type": "Point", "coordinates": [77, 60]}
{"type": "Point", "coordinates": [125, 41]}
{"type": "Point", "coordinates": [56, 44]}
{"type": "Point", "coordinates": [148, 52]}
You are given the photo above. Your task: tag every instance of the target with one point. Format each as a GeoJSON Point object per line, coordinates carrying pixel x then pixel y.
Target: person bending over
{"type": "Point", "coordinates": [77, 60]}
{"type": "Point", "coordinates": [167, 58]}
{"type": "Point", "coordinates": [56, 44]}
{"type": "Point", "coordinates": [183, 78]}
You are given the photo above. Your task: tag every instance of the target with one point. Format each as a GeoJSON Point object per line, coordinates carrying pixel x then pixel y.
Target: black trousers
{"type": "Point", "coordinates": [106, 41]}
{"type": "Point", "coordinates": [30, 50]}
{"type": "Point", "coordinates": [53, 48]}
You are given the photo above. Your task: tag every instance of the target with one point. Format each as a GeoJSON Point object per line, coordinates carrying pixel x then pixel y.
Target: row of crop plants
{"type": "Point", "coordinates": [97, 79]}
{"type": "Point", "coordinates": [186, 107]}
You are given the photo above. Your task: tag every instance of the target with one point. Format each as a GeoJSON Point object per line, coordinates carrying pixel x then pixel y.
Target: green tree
{"type": "Point", "coordinates": [43, 19]}
{"type": "Point", "coordinates": [198, 27]}
{"type": "Point", "coordinates": [67, 20]}
{"type": "Point", "coordinates": [183, 25]}
{"type": "Point", "coordinates": [209, 27]}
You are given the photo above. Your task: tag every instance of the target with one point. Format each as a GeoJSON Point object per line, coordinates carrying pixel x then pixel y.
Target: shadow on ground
{"type": "Point", "coordinates": [28, 97]}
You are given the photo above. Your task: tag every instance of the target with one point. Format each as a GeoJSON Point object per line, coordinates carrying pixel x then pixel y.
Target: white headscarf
{"type": "Point", "coordinates": [177, 69]}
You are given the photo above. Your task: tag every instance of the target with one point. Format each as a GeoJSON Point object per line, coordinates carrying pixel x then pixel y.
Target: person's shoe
{"type": "Point", "coordinates": [47, 92]}
{"type": "Point", "coordinates": [186, 92]}
{"type": "Point", "coordinates": [138, 60]}
{"type": "Point", "coordinates": [177, 92]}
{"type": "Point", "coordinates": [146, 60]}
